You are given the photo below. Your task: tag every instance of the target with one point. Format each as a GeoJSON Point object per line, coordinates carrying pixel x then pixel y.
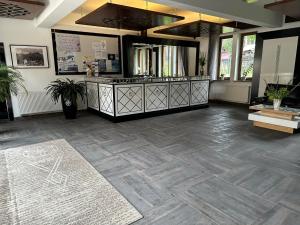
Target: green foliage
{"type": "Point", "coordinates": [66, 89]}
{"type": "Point", "coordinates": [248, 71]}
{"type": "Point", "coordinates": [202, 59]}
{"type": "Point", "coordinates": [280, 93]}
{"type": "Point", "coordinates": [10, 82]}
{"type": "Point", "coordinates": [276, 92]}
{"type": "Point", "coordinates": [227, 30]}
{"type": "Point", "coordinates": [251, 38]}
{"type": "Point", "coordinates": [227, 45]}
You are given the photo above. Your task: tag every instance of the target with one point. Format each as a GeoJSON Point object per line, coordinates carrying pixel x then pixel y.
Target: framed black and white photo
{"type": "Point", "coordinates": [29, 56]}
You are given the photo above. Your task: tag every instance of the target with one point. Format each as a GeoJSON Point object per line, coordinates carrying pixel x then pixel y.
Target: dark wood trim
{"type": "Point", "coordinates": [297, 64]}
{"type": "Point", "coordinates": [239, 25]}
{"type": "Point", "coordinates": [2, 46]}
{"type": "Point", "coordinates": [126, 17]}
{"type": "Point", "coordinates": [219, 55]}
{"type": "Point", "coordinates": [240, 53]}
{"type": "Point", "coordinates": [84, 33]}
{"type": "Point", "coordinates": [198, 23]}
{"type": "Point", "coordinates": [257, 65]}
{"type": "Point", "coordinates": [197, 59]}
{"type": "Point", "coordinates": [156, 50]}
{"type": "Point", "coordinates": [53, 31]}
{"type": "Point", "coordinates": [128, 40]}
{"type": "Point", "coordinates": [280, 33]}
{"type": "Point", "coordinates": [267, 6]}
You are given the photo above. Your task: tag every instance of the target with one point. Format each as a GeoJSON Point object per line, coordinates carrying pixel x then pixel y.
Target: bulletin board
{"type": "Point", "coordinates": [72, 49]}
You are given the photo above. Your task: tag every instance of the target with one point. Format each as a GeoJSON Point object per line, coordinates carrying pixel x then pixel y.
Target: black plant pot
{"type": "Point", "coordinates": [69, 109]}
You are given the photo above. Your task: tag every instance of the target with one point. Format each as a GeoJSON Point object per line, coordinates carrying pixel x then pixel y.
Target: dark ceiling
{"type": "Point", "coordinates": [194, 29]}
{"type": "Point", "coordinates": [129, 18]}
{"type": "Point", "coordinates": [201, 28]}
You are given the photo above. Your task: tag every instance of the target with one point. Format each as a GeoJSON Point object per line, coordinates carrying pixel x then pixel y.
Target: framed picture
{"type": "Point", "coordinates": [29, 56]}
{"type": "Point", "coordinates": [72, 48]}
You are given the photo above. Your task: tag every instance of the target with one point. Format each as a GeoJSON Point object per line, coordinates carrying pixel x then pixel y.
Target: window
{"type": "Point", "coordinates": [247, 56]}
{"type": "Point", "coordinates": [227, 30]}
{"type": "Point", "coordinates": [173, 61]}
{"type": "Point", "coordinates": [225, 56]}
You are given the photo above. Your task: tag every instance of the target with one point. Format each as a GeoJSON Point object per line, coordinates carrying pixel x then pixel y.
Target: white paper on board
{"type": "Point", "coordinates": [67, 42]}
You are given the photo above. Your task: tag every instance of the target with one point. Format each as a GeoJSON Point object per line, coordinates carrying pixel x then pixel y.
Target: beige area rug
{"type": "Point", "coordinates": [51, 183]}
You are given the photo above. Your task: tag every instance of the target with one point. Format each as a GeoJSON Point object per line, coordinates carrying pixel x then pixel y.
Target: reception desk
{"type": "Point", "coordinates": [129, 98]}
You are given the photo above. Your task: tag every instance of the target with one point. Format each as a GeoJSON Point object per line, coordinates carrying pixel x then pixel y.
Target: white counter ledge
{"type": "Point", "coordinates": [132, 97]}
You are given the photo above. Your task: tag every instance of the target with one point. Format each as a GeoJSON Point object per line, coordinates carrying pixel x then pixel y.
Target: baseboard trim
{"type": "Point", "coordinates": [228, 102]}
{"type": "Point", "coordinates": [147, 114]}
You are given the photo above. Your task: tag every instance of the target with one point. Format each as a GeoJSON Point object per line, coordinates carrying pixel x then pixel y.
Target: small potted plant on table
{"type": "Point", "coordinates": [276, 94]}
{"type": "Point", "coordinates": [68, 91]}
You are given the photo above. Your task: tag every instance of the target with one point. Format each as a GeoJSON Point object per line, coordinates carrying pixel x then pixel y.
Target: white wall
{"type": "Point", "coordinates": [278, 54]}
{"type": "Point", "coordinates": [23, 32]}
{"type": "Point", "coordinates": [238, 92]}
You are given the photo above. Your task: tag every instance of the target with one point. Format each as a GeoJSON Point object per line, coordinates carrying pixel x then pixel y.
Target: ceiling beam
{"type": "Point", "coordinates": [57, 10]}
{"type": "Point", "coordinates": [236, 10]}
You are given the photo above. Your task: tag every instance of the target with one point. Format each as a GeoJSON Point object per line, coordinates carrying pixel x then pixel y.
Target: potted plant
{"type": "Point", "coordinates": [276, 94]}
{"type": "Point", "coordinates": [202, 63]}
{"type": "Point", "coordinates": [10, 82]}
{"type": "Point", "coordinates": [68, 91]}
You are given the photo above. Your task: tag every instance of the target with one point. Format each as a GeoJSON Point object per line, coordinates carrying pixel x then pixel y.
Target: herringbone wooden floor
{"type": "Point", "coordinates": [204, 167]}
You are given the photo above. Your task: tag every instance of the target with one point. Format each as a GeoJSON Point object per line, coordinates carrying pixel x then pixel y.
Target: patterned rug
{"type": "Point", "coordinates": [51, 183]}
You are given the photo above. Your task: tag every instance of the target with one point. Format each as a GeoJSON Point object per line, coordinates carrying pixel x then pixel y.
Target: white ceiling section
{"type": "Point", "coordinates": [236, 10]}
{"type": "Point", "coordinates": [56, 10]}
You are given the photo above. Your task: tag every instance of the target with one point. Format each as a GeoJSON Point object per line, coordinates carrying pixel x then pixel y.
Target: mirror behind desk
{"type": "Point", "coordinates": [156, 57]}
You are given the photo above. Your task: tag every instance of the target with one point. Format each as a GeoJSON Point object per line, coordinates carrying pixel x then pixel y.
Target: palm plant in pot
{"type": "Point", "coordinates": [11, 81]}
{"type": "Point", "coordinates": [68, 91]}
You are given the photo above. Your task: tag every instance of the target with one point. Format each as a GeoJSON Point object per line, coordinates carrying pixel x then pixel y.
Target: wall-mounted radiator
{"type": "Point", "coordinates": [231, 92]}
{"type": "Point", "coordinates": [39, 102]}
